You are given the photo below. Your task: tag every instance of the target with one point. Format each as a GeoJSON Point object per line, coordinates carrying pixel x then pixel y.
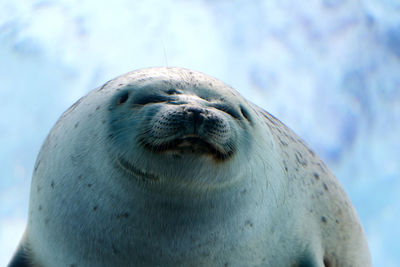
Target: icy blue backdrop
{"type": "Point", "coordinates": [329, 69]}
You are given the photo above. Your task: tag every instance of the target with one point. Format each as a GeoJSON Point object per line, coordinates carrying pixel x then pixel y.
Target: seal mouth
{"type": "Point", "coordinates": [193, 144]}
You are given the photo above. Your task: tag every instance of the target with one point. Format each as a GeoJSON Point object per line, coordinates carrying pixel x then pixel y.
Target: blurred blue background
{"type": "Point", "coordinates": [329, 69]}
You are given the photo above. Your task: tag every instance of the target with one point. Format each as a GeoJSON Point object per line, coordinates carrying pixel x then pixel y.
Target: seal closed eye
{"type": "Point", "coordinates": [144, 99]}
{"type": "Point", "coordinates": [171, 167]}
{"type": "Point", "coordinates": [123, 98]}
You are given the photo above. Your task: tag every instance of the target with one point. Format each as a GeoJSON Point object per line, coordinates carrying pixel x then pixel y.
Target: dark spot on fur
{"type": "Point", "coordinates": [38, 188]}
{"type": "Point", "coordinates": [46, 221]}
{"type": "Point", "coordinates": [123, 215]}
{"type": "Point", "coordinates": [94, 208]}
{"type": "Point", "coordinates": [114, 249]}
{"type": "Point", "coordinates": [98, 107]}
{"type": "Point", "coordinates": [52, 184]}
{"type": "Point", "coordinates": [300, 159]}
{"type": "Point", "coordinates": [284, 143]}
{"type": "Point", "coordinates": [292, 138]}
{"type": "Point", "coordinates": [244, 191]}
{"type": "Point", "coordinates": [311, 152]}
{"type": "Point", "coordinates": [321, 166]}
{"type": "Point", "coordinates": [248, 223]}
{"type": "Point", "coordinates": [76, 125]}
{"type": "Point", "coordinates": [323, 219]}
{"type": "Point", "coordinates": [73, 265]}
{"type": "Point", "coordinates": [89, 185]}
{"type": "Point", "coordinates": [285, 166]}
{"type": "Point", "coordinates": [79, 177]}
{"type": "Point", "coordinates": [337, 221]}
{"type": "Point", "coordinates": [40, 207]}
{"type": "Point", "coordinates": [103, 121]}
{"type": "Point", "coordinates": [37, 165]}
{"type": "Point", "coordinates": [325, 186]}
{"type": "Point", "coordinates": [104, 85]}
{"type": "Point", "coordinates": [316, 175]}
{"type": "Point", "coordinates": [327, 262]}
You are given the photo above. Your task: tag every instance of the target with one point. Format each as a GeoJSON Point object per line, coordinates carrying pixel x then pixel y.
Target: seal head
{"type": "Point", "coordinates": [155, 124]}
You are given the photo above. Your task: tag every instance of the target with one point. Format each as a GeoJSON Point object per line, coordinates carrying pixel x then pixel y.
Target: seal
{"type": "Point", "coordinates": [171, 167]}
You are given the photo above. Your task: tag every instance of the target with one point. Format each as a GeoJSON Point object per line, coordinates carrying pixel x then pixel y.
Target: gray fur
{"type": "Point", "coordinates": [113, 187]}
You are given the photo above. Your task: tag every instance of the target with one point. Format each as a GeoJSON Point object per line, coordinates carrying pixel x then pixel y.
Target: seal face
{"type": "Point", "coordinates": [171, 167]}
{"type": "Point", "coordinates": [173, 121]}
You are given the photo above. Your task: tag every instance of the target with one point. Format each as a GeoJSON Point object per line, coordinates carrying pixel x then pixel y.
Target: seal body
{"type": "Point", "coordinates": [171, 167]}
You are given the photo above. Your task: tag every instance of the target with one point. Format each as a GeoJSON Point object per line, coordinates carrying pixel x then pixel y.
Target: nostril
{"type": "Point", "coordinates": [195, 111]}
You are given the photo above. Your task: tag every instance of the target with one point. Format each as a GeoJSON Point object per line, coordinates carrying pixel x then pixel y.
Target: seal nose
{"type": "Point", "coordinates": [196, 115]}
{"type": "Point", "coordinates": [194, 111]}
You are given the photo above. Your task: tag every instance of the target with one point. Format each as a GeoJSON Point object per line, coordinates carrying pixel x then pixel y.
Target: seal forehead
{"type": "Point", "coordinates": [167, 77]}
